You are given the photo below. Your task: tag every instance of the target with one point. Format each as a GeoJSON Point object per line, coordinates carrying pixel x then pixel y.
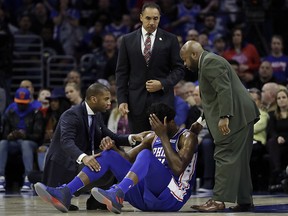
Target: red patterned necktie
{"type": "Point", "coordinates": [147, 48]}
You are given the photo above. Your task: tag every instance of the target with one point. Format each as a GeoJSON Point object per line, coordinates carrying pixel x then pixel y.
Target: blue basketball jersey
{"type": "Point", "coordinates": [180, 186]}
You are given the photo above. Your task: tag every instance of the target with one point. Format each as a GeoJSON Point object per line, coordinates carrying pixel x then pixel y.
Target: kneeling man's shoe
{"type": "Point", "coordinates": [93, 204]}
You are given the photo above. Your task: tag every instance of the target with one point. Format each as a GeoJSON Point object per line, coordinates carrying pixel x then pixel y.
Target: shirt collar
{"type": "Point", "coordinates": [144, 32]}
{"type": "Point", "coordinates": [89, 110]}
{"type": "Point", "coordinates": [199, 60]}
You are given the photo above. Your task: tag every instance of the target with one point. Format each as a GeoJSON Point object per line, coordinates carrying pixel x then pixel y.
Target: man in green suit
{"type": "Point", "coordinates": [230, 113]}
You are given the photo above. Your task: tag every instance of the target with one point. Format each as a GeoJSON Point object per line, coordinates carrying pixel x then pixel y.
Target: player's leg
{"type": "Point", "coordinates": [147, 170]}
{"type": "Point", "coordinates": [61, 197]}
{"type": "Point", "coordinates": [109, 160]}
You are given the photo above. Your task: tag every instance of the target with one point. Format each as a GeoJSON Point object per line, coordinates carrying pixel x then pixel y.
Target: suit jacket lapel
{"type": "Point", "coordinates": [200, 65]}
{"type": "Point", "coordinates": [85, 119]}
{"type": "Point", "coordinates": [157, 45]}
{"type": "Point", "coordinates": [137, 42]}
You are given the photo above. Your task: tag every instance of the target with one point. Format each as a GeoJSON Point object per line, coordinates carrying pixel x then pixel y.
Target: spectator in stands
{"type": "Point", "coordinates": [16, 8]}
{"type": "Point", "coordinates": [28, 84]}
{"type": "Point", "coordinates": [264, 75]}
{"type": "Point", "coordinates": [42, 98]}
{"type": "Point", "coordinates": [277, 144]}
{"type": "Point", "coordinates": [187, 14]}
{"type": "Point", "coordinates": [73, 93]}
{"type": "Point", "coordinates": [268, 96]}
{"type": "Point", "coordinates": [219, 44]}
{"type": "Point", "coordinates": [67, 31]}
{"type": "Point", "coordinates": [104, 12]}
{"type": "Point", "coordinates": [24, 24]}
{"type": "Point", "coordinates": [97, 30]}
{"type": "Point", "coordinates": [278, 60]}
{"type": "Point", "coordinates": [24, 35]}
{"type": "Point", "coordinates": [195, 108]}
{"type": "Point", "coordinates": [22, 133]}
{"type": "Point", "coordinates": [73, 76]}
{"type": "Point", "coordinates": [258, 170]}
{"type": "Point", "coordinates": [40, 18]}
{"type": "Point", "coordinates": [192, 34]}
{"type": "Point", "coordinates": [204, 41]}
{"type": "Point", "coordinates": [180, 105]}
{"type": "Point", "coordinates": [87, 9]}
{"type": "Point", "coordinates": [245, 53]}
{"type": "Point", "coordinates": [51, 47]}
{"type": "Point", "coordinates": [188, 89]}
{"type": "Point", "coordinates": [210, 28]}
{"type": "Point", "coordinates": [134, 14]}
{"type": "Point", "coordinates": [101, 57]}
{"type": "Point", "coordinates": [117, 27]}
{"type": "Point", "coordinates": [169, 14]}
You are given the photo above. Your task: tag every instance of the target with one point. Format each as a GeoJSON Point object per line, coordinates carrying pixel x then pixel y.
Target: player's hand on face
{"type": "Point", "coordinates": [223, 126]}
{"type": "Point", "coordinates": [107, 143]}
{"type": "Point", "coordinates": [157, 126]}
{"type": "Point", "coordinates": [91, 162]}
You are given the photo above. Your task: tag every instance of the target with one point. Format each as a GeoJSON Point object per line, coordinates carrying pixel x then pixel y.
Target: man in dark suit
{"type": "Point", "coordinates": [148, 67]}
{"type": "Point", "coordinates": [230, 114]}
{"type": "Point", "coordinates": [72, 143]}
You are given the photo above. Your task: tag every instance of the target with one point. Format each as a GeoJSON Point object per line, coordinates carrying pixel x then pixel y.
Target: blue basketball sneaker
{"type": "Point", "coordinates": [112, 198]}
{"type": "Point", "coordinates": [59, 197]}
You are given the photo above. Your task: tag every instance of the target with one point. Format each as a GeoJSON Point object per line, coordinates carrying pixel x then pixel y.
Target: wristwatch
{"type": "Point", "coordinates": [226, 116]}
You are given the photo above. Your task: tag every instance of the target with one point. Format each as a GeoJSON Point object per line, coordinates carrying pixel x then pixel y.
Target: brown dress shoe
{"type": "Point", "coordinates": [210, 206]}
{"type": "Point", "coordinates": [196, 207]}
{"type": "Point", "coordinates": [242, 208]}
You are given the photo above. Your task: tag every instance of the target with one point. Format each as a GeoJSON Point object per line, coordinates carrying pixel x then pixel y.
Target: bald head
{"type": "Point", "coordinates": [190, 54]}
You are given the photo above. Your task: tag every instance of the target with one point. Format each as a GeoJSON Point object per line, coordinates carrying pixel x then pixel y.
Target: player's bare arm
{"type": "Point", "coordinates": [107, 143]}
{"type": "Point", "coordinates": [145, 144]}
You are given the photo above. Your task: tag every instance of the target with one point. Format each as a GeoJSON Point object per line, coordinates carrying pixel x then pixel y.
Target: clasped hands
{"type": "Point", "coordinates": [16, 134]}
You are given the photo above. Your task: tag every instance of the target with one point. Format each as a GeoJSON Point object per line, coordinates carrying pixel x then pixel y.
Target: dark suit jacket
{"type": "Point", "coordinates": [132, 72]}
{"type": "Point", "coordinates": [70, 140]}
{"type": "Point", "coordinates": [222, 94]}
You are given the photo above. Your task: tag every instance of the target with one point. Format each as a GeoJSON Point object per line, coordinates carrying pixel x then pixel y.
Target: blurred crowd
{"type": "Point", "coordinates": [250, 34]}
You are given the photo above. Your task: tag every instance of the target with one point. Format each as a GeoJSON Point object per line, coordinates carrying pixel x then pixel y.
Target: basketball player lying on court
{"type": "Point", "coordinates": [154, 176]}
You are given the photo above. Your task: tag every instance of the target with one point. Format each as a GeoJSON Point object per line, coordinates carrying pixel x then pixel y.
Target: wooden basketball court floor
{"type": "Point", "coordinates": [29, 204]}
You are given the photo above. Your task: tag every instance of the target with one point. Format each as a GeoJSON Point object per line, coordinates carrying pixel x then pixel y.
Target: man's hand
{"type": "Point", "coordinates": [16, 134]}
{"type": "Point", "coordinates": [91, 162]}
{"type": "Point", "coordinates": [157, 126]}
{"type": "Point", "coordinates": [140, 136]}
{"type": "Point", "coordinates": [153, 85]}
{"type": "Point", "coordinates": [190, 100]}
{"type": "Point", "coordinates": [123, 109]}
{"type": "Point", "coordinates": [107, 143]}
{"type": "Point", "coordinates": [196, 128]}
{"type": "Point", "coordinates": [280, 140]}
{"type": "Point", "coordinates": [223, 126]}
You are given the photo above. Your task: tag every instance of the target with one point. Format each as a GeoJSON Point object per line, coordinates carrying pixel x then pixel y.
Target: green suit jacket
{"type": "Point", "coordinates": [222, 94]}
